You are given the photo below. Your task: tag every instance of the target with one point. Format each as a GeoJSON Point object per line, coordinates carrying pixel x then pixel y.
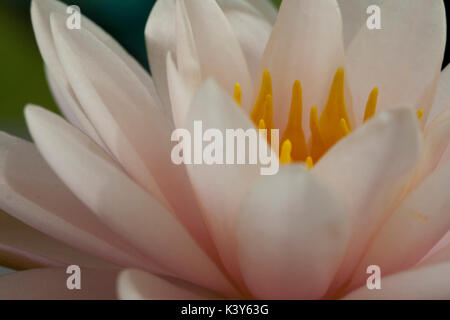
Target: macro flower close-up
{"type": "Point", "coordinates": [360, 170]}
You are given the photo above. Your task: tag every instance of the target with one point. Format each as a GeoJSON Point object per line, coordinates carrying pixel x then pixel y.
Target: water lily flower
{"type": "Point", "coordinates": [364, 173]}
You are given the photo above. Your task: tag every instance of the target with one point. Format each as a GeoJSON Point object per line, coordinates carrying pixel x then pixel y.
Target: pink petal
{"type": "Point", "coordinates": [51, 284]}
{"type": "Point", "coordinates": [120, 203]}
{"type": "Point", "coordinates": [441, 101]}
{"type": "Point", "coordinates": [32, 193]}
{"type": "Point", "coordinates": [251, 27]}
{"type": "Point", "coordinates": [22, 247]}
{"type": "Point", "coordinates": [368, 170]}
{"type": "Point", "coordinates": [303, 47]}
{"type": "Point", "coordinates": [217, 110]}
{"type": "Point", "coordinates": [292, 236]}
{"type": "Point", "coordinates": [416, 284]}
{"type": "Point", "coordinates": [403, 59]}
{"type": "Point", "coordinates": [413, 229]}
{"type": "Point", "coordinates": [139, 285]}
{"type": "Point", "coordinates": [219, 52]}
{"type": "Point", "coordinates": [131, 125]}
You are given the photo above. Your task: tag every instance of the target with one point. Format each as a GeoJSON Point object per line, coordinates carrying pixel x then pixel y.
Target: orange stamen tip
{"type": "Point", "coordinates": [238, 93]}
{"type": "Point", "coordinates": [286, 150]}
{"type": "Point", "coordinates": [309, 163]}
{"type": "Point", "coordinates": [419, 114]}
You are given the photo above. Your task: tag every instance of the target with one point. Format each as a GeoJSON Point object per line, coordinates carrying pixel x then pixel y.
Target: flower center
{"type": "Point", "coordinates": [332, 125]}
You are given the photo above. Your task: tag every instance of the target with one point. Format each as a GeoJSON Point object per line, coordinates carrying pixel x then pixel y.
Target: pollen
{"type": "Point", "coordinates": [326, 130]}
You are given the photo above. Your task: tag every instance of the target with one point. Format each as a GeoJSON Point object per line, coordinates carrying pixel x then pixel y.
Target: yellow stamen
{"type": "Point", "coordinates": [268, 116]}
{"type": "Point", "coordinates": [371, 105]}
{"type": "Point", "coordinates": [266, 89]}
{"type": "Point", "coordinates": [262, 125]}
{"type": "Point", "coordinates": [419, 114]}
{"type": "Point", "coordinates": [238, 93]}
{"type": "Point", "coordinates": [294, 130]}
{"type": "Point", "coordinates": [344, 127]}
{"type": "Point", "coordinates": [334, 111]}
{"type": "Point", "coordinates": [309, 163]}
{"type": "Point", "coordinates": [317, 146]}
{"type": "Point", "coordinates": [286, 150]}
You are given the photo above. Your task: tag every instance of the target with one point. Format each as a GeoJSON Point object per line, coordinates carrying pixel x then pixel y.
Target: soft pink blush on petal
{"type": "Point", "coordinates": [22, 247]}
{"type": "Point", "coordinates": [369, 170]}
{"type": "Point", "coordinates": [49, 206]}
{"type": "Point", "coordinates": [292, 234]}
{"type": "Point", "coordinates": [413, 229]}
{"type": "Point", "coordinates": [51, 284]}
{"type": "Point", "coordinates": [134, 129]}
{"type": "Point", "coordinates": [139, 285]}
{"type": "Point", "coordinates": [383, 58]}
{"type": "Point", "coordinates": [120, 203]}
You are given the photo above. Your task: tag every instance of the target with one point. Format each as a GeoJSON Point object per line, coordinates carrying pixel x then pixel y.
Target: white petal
{"type": "Point", "coordinates": [160, 35]}
{"type": "Point", "coordinates": [368, 170]}
{"type": "Point", "coordinates": [120, 203]}
{"type": "Point", "coordinates": [69, 105]}
{"type": "Point", "coordinates": [416, 284]}
{"type": "Point", "coordinates": [40, 15]}
{"type": "Point", "coordinates": [218, 49]}
{"type": "Point", "coordinates": [303, 47]}
{"type": "Point", "coordinates": [139, 285]}
{"type": "Point", "coordinates": [354, 16]}
{"type": "Point", "coordinates": [32, 193]}
{"type": "Point", "coordinates": [403, 59]}
{"type": "Point", "coordinates": [251, 27]}
{"type": "Point", "coordinates": [413, 229]}
{"type": "Point", "coordinates": [292, 236]}
{"type": "Point", "coordinates": [131, 125]}
{"type": "Point", "coordinates": [22, 247]}
{"type": "Point", "coordinates": [436, 142]}
{"type": "Point", "coordinates": [441, 101]}
{"type": "Point", "coordinates": [220, 188]}
{"type": "Point", "coordinates": [51, 284]}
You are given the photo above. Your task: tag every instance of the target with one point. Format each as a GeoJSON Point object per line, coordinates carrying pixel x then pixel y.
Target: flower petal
{"type": "Point", "coordinates": [22, 247]}
{"type": "Point", "coordinates": [139, 285]}
{"type": "Point", "coordinates": [219, 52]}
{"type": "Point", "coordinates": [135, 130]}
{"type": "Point", "coordinates": [40, 16]}
{"type": "Point", "coordinates": [416, 284]}
{"type": "Point", "coordinates": [436, 142]}
{"type": "Point", "coordinates": [303, 47]}
{"type": "Point", "coordinates": [160, 35]}
{"type": "Point", "coordinates": [441, 101]}
{"type": "Point", "coordinates": [413, 229]}
{"type": "Point", "coordinates": [69, 105]}
{"type": "Point", "coordinates": [354, 16]}
{"type": "Point", "coordinates": [403, 59]}
{"type": "Point", "coordinates": [251, 27]}
{"type": "Point", "coordinates": [120, 203]}
{"type": "Point", "coordinates": [292, 236]}
{"type": "Point", "coordinates": [368, 170]}
{"type": "Point", "coordinates": [32, 193]}
{"type": "Point", "coordinates": [228, 181]}
{"type": "Point", "coordinates": [51, 284]}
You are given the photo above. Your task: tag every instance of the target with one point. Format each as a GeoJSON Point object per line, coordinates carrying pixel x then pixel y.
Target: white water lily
{"type": "Point", "coordinates": [372, 193]}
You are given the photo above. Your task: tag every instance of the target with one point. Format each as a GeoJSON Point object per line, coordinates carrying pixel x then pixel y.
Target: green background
{"type": "Point", "coordinates": [22, 78]}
